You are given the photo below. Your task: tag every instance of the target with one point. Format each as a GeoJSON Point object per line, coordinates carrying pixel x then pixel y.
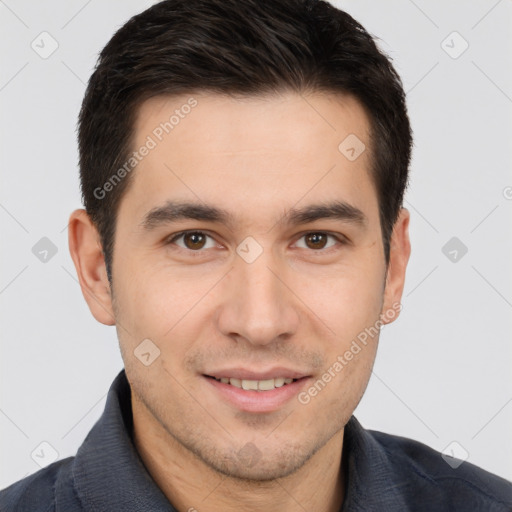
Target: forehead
{"type": "Point", "coordinates": [216, 119]}
{"type": "Point", "coordinates": [251, 152]}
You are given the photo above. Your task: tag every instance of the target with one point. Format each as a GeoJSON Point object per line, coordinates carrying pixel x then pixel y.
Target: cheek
{"type": "Point", "coordinates": [347, 299]}
{"type": "Point", "coordinates": [160, 304]}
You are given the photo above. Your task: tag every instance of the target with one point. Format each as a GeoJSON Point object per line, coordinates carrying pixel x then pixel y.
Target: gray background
{"type": "Point", "coordinates": [443, 369]}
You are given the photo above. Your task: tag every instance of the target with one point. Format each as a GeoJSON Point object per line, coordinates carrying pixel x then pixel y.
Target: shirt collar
{"type": "Point", "coordinates": [372, 482]}
{"type": "Point", "coordinates": [109, 474]}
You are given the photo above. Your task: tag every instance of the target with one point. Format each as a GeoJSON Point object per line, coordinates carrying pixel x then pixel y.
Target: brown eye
{"type": "Point", "coordinates": [194, 240]}
{"type": "Point", "coordinates": [316, 240]}
{"type": "Point", "coordinates": [191, 242]}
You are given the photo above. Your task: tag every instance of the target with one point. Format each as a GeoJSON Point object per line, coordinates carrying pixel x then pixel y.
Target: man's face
{"type": "Point", "coordinates": [258, 295]}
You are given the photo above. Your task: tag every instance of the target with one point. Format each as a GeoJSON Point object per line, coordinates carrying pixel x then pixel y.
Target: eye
{"type": "Point", "coordinates": [192, 240]}
{"type": "Point", "coordinates": [317, 241]}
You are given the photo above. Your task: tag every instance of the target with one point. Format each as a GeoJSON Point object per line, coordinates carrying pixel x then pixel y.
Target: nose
{"type": "Point", "coordinates": [259, 305]}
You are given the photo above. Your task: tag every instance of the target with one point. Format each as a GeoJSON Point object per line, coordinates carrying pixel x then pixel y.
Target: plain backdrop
{"type": "Point", "coordinates": [443, 370]}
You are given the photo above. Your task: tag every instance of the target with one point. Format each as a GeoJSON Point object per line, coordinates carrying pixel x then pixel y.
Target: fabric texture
{"type": "Point", "coordinates": [384, 473]}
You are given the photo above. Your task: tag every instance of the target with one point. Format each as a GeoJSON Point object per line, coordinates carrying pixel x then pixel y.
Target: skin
{"type": "Point", "coordinates": [297, 305]}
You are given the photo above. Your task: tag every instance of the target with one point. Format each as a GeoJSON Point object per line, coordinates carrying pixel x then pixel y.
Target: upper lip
{"type": "Point", "coordinates": [246, 374]}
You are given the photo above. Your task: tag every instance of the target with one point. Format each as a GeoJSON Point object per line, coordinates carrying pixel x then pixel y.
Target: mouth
{"type": "Point", "coordinates": [255, 385]}
{"type": "Point", "coordinates": [264, 395]}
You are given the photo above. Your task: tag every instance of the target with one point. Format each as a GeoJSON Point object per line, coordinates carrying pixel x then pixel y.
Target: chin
{"type": "Point", "coordinates": [251, 465]}
{"type": "Point", "coordinates": [262, 471]}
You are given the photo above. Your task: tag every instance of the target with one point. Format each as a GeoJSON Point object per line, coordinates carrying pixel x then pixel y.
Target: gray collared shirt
{"type": "Point", "coordinates": [384, 473]}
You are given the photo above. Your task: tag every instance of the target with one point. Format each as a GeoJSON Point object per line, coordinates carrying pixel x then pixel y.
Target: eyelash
{"type": "Point", "coordinates": [340, 241]}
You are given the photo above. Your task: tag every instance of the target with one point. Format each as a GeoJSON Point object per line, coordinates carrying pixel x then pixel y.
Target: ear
{"type": "Point", "coordinates": [400, 250]}
{"type": "Point", "coordinates": [86, 251]}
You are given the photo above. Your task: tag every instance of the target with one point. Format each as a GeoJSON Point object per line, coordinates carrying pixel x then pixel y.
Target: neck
{"type": "Point", "coordinates": [190, 485]}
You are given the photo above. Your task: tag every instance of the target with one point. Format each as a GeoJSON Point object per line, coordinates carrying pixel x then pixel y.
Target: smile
{"type": "Point", "coordinates": [255, 385]}
{"type": "Point", "coordinates": [256, 395]}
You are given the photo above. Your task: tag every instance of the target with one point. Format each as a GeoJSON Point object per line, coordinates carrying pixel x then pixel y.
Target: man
{"type": "Point", "coordinates": [243, 165]}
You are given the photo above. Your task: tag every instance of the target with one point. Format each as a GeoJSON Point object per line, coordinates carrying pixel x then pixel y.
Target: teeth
{"type": "Point", "coordinates": [278, 382]}
{"type": "Point", "coordinates": [235, 382]}
{"type": "Point", "coordinates": [249, 384]}
{"type": "Point", "coordinates": [256, 385]}
{"type": "Point", "coordinates": [265, 385]}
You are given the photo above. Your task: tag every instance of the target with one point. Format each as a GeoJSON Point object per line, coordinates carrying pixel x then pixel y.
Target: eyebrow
{"type": "Point", "coordinates": [173, 211]}
{"type": "Point", "coordinates": [338, 210]}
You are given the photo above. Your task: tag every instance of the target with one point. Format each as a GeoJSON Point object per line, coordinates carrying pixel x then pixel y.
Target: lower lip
{"type": "Point", "coordinates": [257, 401]}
